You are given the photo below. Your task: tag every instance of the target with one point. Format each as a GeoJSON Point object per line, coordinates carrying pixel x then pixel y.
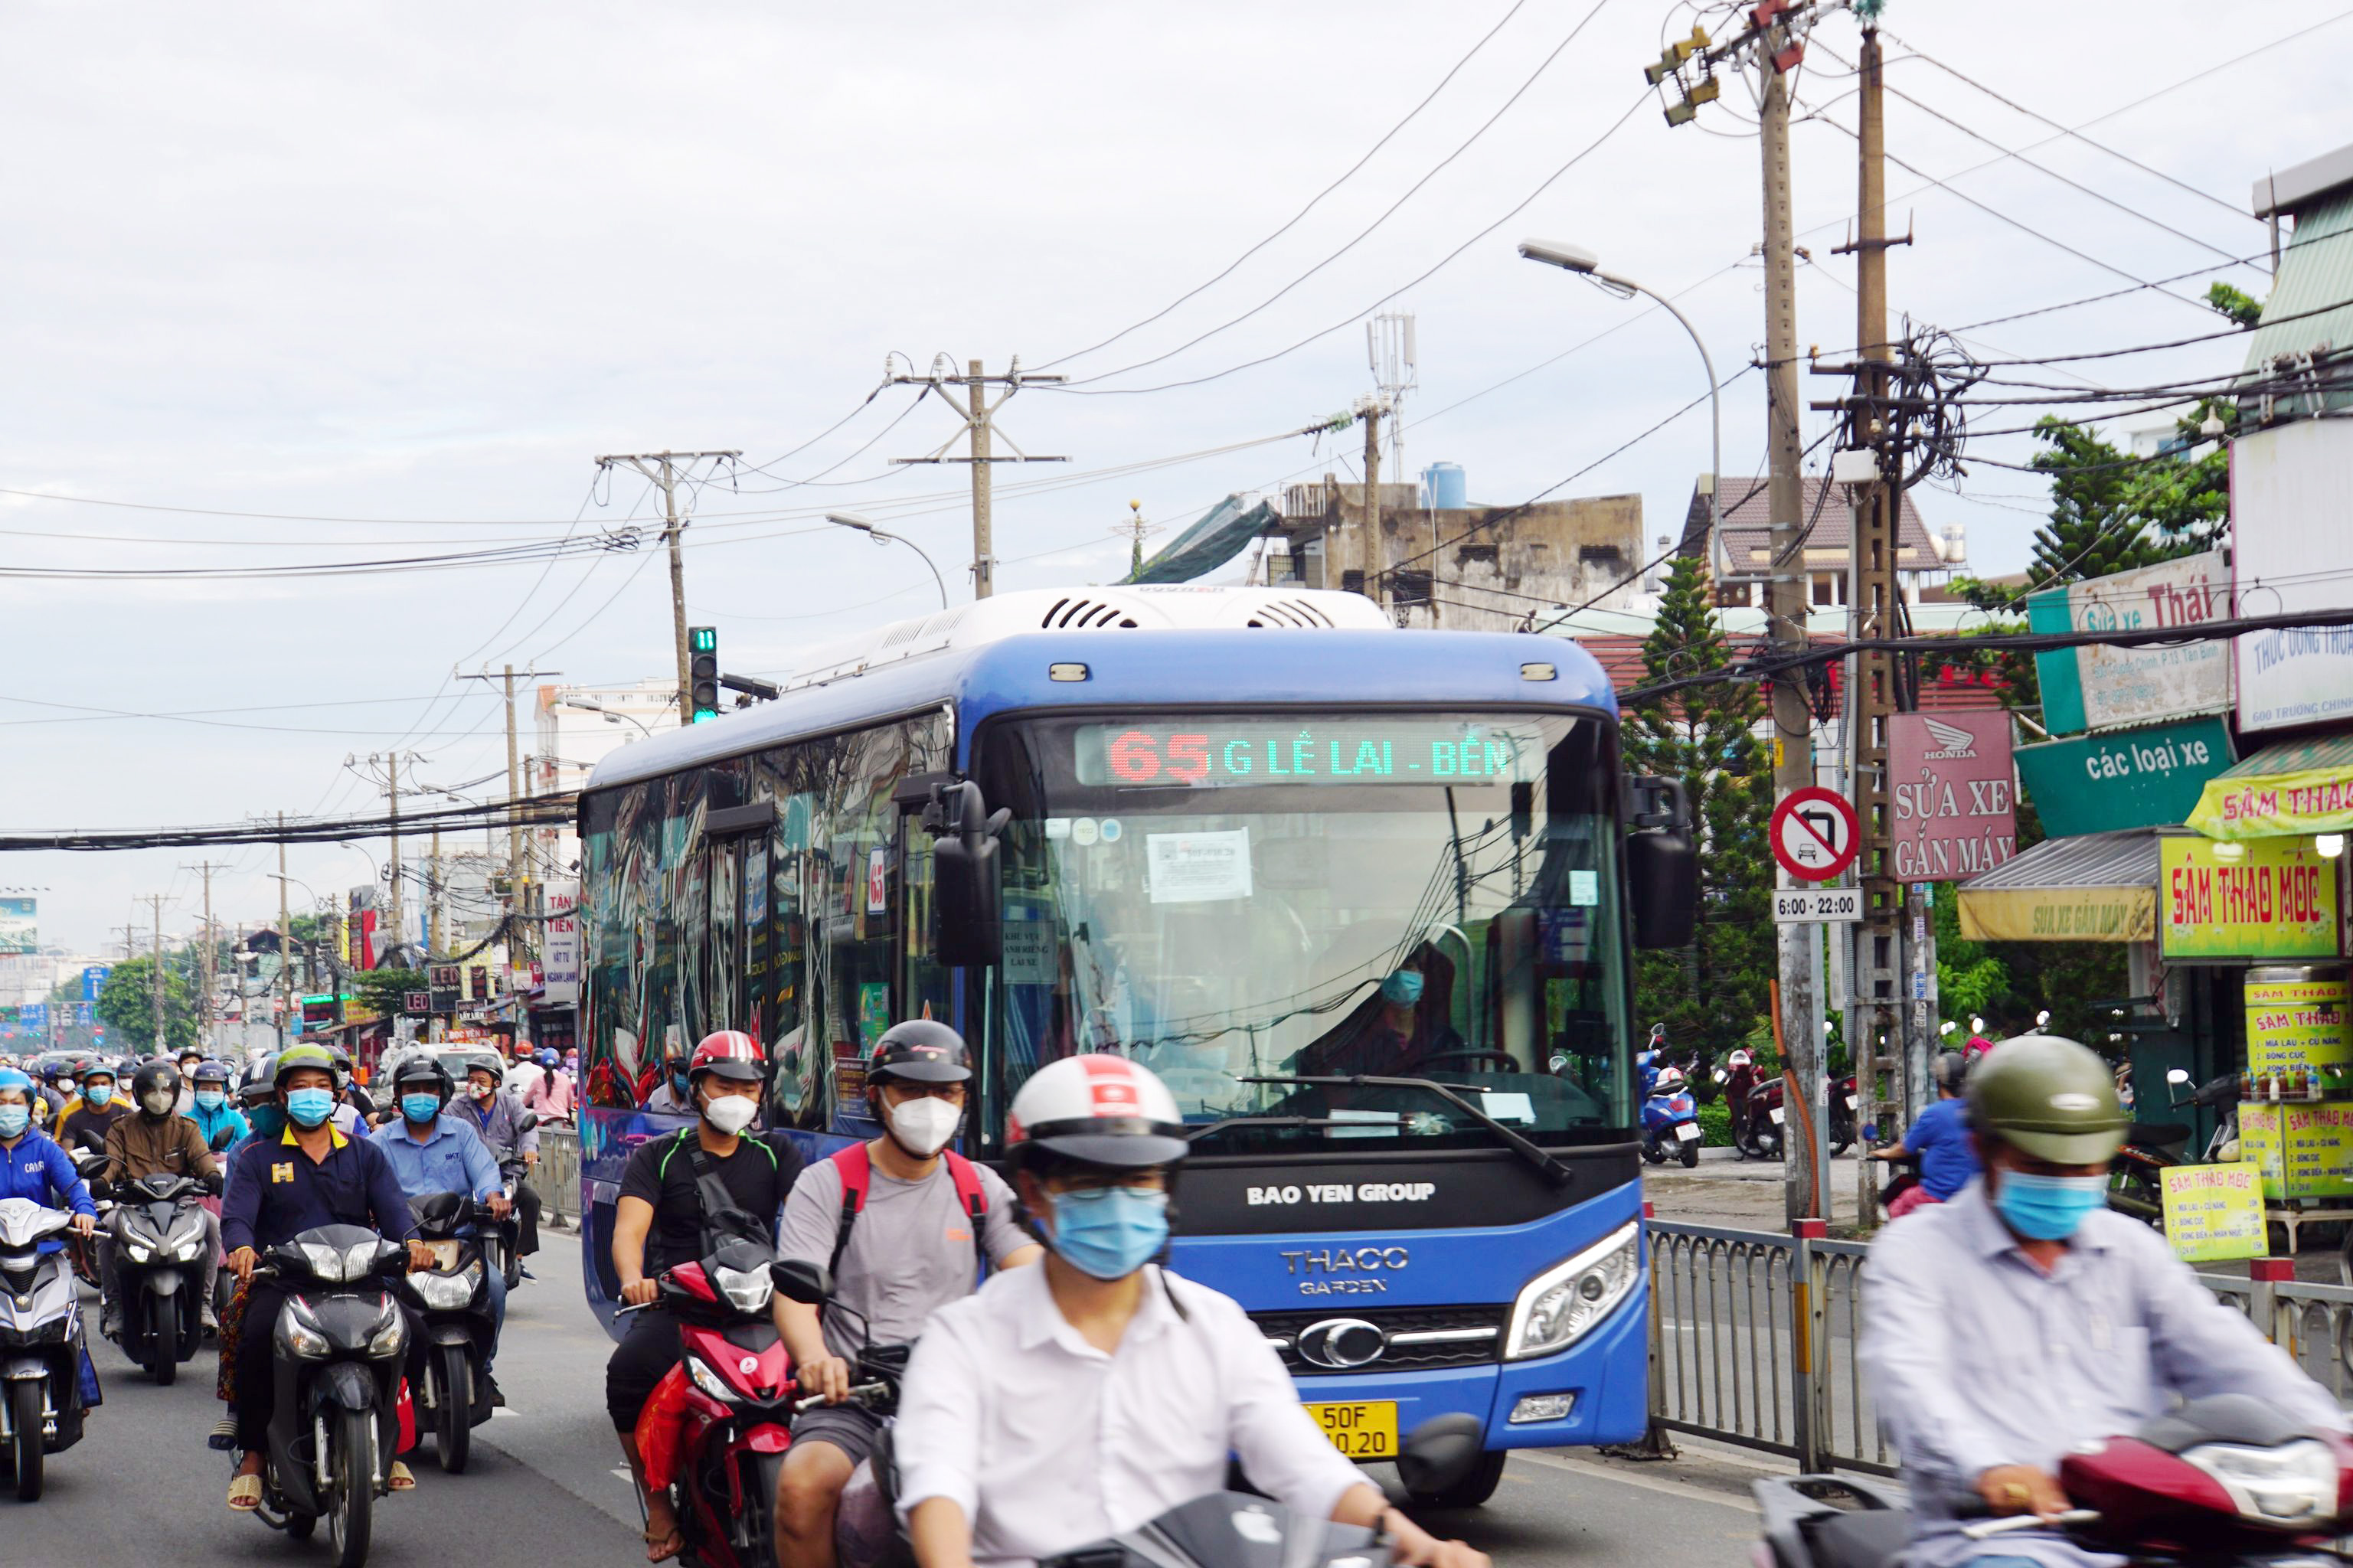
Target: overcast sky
{"type": "Point", "coordinates": [421, 263]}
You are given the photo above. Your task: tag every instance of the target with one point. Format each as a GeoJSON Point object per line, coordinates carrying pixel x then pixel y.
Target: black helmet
{"type": "Point", "coordinates": [342, 1058]}
{"type": "Point", "coordinates": [260, 1085]}
{"type": "Point", "coordinates": [210, 1071]}
{"type": "Point", "coordinates": [424, 1072]}
{"type": "Point", "coordinates": [921, 1050]}
{"type": "Point", "coordinates": [155, 1088]}
{"type": "Point", "coordinates": [1948, 1069]}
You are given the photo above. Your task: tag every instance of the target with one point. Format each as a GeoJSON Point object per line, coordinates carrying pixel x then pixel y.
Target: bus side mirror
{"type": "Point", "coordinates": [970, 930]}
{"type": "Point", "coordinates": [1662, 865]}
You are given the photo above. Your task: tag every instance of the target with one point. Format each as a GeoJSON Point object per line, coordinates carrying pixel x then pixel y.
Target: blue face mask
{"type": "Point", "coordinates": [2048, 1208]}
{"type": "Point", "coordinates": [1109, 1234]}
{"type": "Point", "coordinates": [97, 1095]}
{"type": "Point", "coordinates": [209, 1099]}
{"type": "Point", "coordinates": [309, 1107]}
{"type": "Point", "coordinates": [1402, 989]}
{"type": "Point", "coordinates": [678, 1082]}
{"type": "Point", "coordinates": [269, 1121]}
{"type": "Point", "coordinates": [420, 1107]}
{"type": "Point", "coordinates": [14, 1120]}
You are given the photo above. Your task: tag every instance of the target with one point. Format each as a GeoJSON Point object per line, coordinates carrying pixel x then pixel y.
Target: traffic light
{"type": "Point", "coordinates": [703, 673]}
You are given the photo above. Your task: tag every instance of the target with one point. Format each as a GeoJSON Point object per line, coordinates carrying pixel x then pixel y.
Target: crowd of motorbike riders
{"type": "Point", "coordinates": [1052, 1384]}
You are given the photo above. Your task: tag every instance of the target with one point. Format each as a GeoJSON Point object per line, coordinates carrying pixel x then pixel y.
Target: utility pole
{"type": "Point", "coordinates": [155, 968]}
{"type": "Point", "coordinates": [666, 469]}
{"type": "Point", "coordinates": [1375, 558]}
{"type": "Point", "coordinates": [212, 954]}
{"type": "Point", "coordinates": [980, 428]}
{"type": "Point", "coordinates": [433, 899]}
{"type": "Point", "coordinates": [392, 777]}
{"type": "Point", "coordinates": [516, 903]}
{"type": "Point", "coordinates": [286, 934]}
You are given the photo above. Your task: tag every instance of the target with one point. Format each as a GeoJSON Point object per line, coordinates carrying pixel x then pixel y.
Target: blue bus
{"type": "Point", "coordinates": [1367, 899]}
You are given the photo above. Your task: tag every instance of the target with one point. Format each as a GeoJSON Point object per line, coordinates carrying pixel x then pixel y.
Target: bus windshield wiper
{"type": "Point", "coordinates": [1195, 1134]}
{"type": "Point", "coordinates": [1552, 1170]}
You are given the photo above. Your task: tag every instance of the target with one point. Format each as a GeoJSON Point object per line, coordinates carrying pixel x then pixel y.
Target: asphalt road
{"type": "Point", "coordinates": [141, 1488]}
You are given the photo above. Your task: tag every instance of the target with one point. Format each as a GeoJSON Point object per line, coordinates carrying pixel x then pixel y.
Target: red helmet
{"type": "Point", "coordinates": [730, 1054]}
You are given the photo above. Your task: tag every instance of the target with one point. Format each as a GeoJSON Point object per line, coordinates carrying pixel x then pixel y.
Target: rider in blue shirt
{"type": "Point", "coordinates": [32, 1165]}
{"type": "Point", "coordinates": [434, 1152]}
{"type": "Point", "coordinates": [220, 1122]}
{"type": "Point", "coordinates": [1939, 1139]}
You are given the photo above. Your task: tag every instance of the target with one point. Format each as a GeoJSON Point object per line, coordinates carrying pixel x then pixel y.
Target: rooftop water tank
{"type": "Point", "coordinates": [1444, 487]}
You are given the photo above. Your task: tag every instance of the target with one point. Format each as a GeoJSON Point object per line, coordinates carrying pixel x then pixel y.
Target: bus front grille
{"type": "Point", "coordinates": [1384, 1339]}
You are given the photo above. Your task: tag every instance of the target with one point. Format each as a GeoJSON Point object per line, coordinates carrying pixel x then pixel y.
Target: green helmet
{"type": "Point", "coordinates": [296, 1056]}
{"type": "Point", "coordinates": [2050, 1098]}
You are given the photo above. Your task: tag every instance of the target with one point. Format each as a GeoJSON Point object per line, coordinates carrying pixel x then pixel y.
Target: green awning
{"type": "Point", "coordinates": [1223, 532]}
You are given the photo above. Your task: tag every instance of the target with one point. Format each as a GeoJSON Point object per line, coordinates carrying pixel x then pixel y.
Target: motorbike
{"type": "Point", "coordinates": [2219, 1481]}
{"type": "Point", "coordinates": [41, 1343]}
{"type": "Point", "coordinates": [158, 1228]}
{"type": "Point", "coordinates": [2137, 1171]}
{"type": "Point", "coordinates": [738, 1400]}
{"type": "Point", "coordinates": [82, 1251]}
{"type": "Point", "coordinates": [339, 1343]}
{"type": "Point", "coordinates": [1762, 1130]}
{"type": "Point", "coordinates": [1669, 1121]}
{"type": "Point", "coordinates": [452, 1302]}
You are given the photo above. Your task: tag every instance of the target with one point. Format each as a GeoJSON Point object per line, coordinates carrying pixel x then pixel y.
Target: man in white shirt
{"type": "Point", "coordinates": [1067, 1402]}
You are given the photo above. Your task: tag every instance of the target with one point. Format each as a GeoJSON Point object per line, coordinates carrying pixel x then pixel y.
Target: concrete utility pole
{"type": "Point", "coordinates": [391, 785]}
{"type": "Point", "coordinates": [980, 427]}
{"type": "Point", "coordinates": [212, 954]}
{"type": "Point", "coordinates": [155, 967]}
{"type": "Point", "coordinates": [516, 903]}
{"type": "Point", "coordinates": [433, 899]}
{"type": "Point", "coordinates": [666, 469]}
{"type": "Point", "coordinates": [286, 934]}
{"type": "Point", "coordinates": [1373, 559]}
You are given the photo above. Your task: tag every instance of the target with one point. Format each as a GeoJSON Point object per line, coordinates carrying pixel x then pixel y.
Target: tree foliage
{"type": "Point", "coordinates": [126, 1006]}
{"type": "Point", "coordinates": [381, 992]}
{"type": "Point", "coordinates": [1711, 993]}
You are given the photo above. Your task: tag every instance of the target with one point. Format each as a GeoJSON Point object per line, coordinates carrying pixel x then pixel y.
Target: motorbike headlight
{"type": "Point", "coordinates": [446, 1292]}
{"type": "Point", "coordinates": [391, 1336]}
{"type": "Point", "coordinates": [138, 1253]}
{"type": "Point", "coordinates": [749, 1291]}
{"type": "Point", "coordinates": [189, 1248]}
{"type": "Point", "coordinates": [708, 1382]}
{"type": "Point", "coordinates": [299, 1334]}
{"type": "Point", "coordinates": [2292, 1487]}
{"type": "Point", "coordinates": [1559, 1306]}
{"type": "Point", "coordinates": [329, 1264]}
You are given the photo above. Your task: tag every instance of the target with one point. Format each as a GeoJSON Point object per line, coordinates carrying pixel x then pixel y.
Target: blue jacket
{"type": "Point", "coordinates": [210, 1122]}
{"type": "Point", "coordinates": [453, 1160]}
{"type": "Point", "coordinates": [37, 1168]}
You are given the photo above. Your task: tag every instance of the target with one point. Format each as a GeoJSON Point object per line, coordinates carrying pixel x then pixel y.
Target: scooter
{"type": "Point", "coordinates": [339, 1343]}
{"type": "Point", "coordinates": [2137, 1170]}
{"type": "Point", "coordinates": [1768, 1117]}
{"type": "Point", "coordinates": [1669, 1121]}
{"type": "Point", "coordinates": [452, 1300]}
{"type": "Point", "coordinates": [715, 1431]}
{"type": "Point", "coordinates": [2218, 1481]}
{"type": "Point", "coordinates": [41, 1342]}
{"type": "Point", "coordinates": [158, 1228]}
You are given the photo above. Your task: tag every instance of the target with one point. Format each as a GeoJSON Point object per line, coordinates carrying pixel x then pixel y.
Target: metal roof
{"type": "Point", "coordinates": [2316, 273]}
{"type": "Point", "coordinates": [1747, 524]}
{"type": "Point", "coordinates": [2293, 757]}
{"type": "Point", "coordinates": [2285, 190]}
{"type": "Point", "coordinates": [2126, 859]}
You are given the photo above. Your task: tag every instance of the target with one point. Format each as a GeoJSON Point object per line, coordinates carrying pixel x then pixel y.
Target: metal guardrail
{"type": "Point", "coordinates": [1753, 1338]}
{"type": "Point", "coordinates": [558, 1177]}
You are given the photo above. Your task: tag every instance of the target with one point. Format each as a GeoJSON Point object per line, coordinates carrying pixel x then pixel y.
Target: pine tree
{"type": "Point", "coordinates": [1711, 993]}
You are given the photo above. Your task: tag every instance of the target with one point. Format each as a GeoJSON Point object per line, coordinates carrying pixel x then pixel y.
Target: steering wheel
{"type": "Point", "coordinates": [1501, 1060]}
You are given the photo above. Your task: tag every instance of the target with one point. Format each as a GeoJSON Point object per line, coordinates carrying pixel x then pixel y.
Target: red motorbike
{"type": "Point", "coordinates": [715, 1430]}
{"type": "Point", "coordinates": [1762, 1128]}
{"type": "Point", "coordinates": [2226, 1480]}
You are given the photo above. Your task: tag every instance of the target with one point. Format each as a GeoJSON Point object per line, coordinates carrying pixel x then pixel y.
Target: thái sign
{"type": "Point", "coordinates": [2267, 898]}
{"type": "Point", "coordinates": [2099, 687]}
{"type": "Point", "coordinates": [1955, 797]}
{"type": "Point", "coordinates": [2135, 778]}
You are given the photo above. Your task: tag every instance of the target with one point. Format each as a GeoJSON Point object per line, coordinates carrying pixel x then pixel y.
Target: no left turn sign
{"type": "Point", "coordinates": [1815, 835]}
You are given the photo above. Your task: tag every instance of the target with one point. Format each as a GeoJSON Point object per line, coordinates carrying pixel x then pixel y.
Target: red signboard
{"type": "Point", "coordinates": [1953, 790]}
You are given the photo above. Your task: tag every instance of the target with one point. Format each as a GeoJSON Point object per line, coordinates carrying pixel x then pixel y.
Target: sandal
{"type": "Point", "coordinates": [245, 1494]}
{"type": "Point", "coordinates": [662, 1548]}
{"type": "Point", "coordinates": [399, 1478]}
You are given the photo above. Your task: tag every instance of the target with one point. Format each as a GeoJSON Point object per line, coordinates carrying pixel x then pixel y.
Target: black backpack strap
{"type": "Point", "coordinates": [722, 1219]}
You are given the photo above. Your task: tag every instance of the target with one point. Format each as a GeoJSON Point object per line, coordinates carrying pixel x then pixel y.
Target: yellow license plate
{"type": "Point", "coordinates": [1364, 1430]}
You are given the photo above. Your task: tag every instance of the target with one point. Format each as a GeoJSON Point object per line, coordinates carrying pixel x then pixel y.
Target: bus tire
{"type": "Point", "coordinates": [1474, 1489]}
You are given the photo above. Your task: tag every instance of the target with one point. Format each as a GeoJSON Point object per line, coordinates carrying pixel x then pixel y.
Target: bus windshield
{"type": "Point", "coordinates": [1242, 902]}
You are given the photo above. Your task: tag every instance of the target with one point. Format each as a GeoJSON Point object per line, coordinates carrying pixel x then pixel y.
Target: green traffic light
{"type": "Point", "coordinates": [703, 639]}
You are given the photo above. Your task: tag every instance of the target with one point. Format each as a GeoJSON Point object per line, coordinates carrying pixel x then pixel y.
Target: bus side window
{"type": "Point", "coordinates": [923, 983]}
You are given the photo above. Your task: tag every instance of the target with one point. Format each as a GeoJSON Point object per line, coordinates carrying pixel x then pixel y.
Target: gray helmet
{"type": "Point", "coordinates": [2050, 1098]}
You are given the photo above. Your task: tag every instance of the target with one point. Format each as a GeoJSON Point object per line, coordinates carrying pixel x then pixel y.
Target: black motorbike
{"type": "Point", "coordinates": [338, 1345]}
{"type": "Point", "coordinates": [452, 1298]}
{"type": "Point", "coordinates": [41, 1342]}
{"type": "Point", "coordinates": [2137, 1170]}
{"type": "Point", "coordinates": [158, 1228]}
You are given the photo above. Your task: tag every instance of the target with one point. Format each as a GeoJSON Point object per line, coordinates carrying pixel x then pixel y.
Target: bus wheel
{"type": "Point", "coordinates": [1471, 1489]}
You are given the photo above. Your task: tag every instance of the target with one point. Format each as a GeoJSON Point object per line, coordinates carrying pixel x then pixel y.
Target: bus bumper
{"type": "Point", "coordinates": [1604, 1375]}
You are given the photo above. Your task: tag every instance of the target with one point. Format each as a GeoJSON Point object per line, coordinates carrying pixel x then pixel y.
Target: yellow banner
{"type": "Point", "coordinates": [2298, 1026]}
{"type": "Point", "coordinates": [2263, 898]}
{"type": "Point", "coordinates": [2303, 1150]}
{"type": "Point", "coordinates": [2215, 1212]}
{"type": "Point", "coordinates": [2276, 806]}
{"type": "Point", "coordinates": [2059, 914]}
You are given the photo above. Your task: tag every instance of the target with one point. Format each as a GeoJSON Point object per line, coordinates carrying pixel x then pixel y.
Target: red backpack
{"type": "Point", "coordinates": [857, 1168]}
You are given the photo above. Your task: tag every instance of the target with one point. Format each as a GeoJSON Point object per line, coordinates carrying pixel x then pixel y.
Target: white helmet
{"type": "Point", "coordinates": [1740, 1058]}
{"type": "Point", "coordinates": [1097, 1111]}
{"type": "Point", "coordinates": [1669, 1080]}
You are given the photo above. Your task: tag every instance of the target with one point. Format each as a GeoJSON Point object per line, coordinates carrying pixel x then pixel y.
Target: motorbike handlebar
{"type": "Point", "coordinates": [2018, 1522]}
{"type": "Point", "coordinates": [859, 1394]}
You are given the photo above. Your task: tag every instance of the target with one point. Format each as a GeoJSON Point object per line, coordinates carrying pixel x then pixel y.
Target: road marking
{"type": "Point", "coordinates": [1647, 1483]}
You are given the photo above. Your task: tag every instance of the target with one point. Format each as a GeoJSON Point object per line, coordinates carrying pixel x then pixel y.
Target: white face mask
{"type": "Point", "coordinates": [730, 1113]}
{"type": "Point", "coordinates": [156, 1102]}
{"type": "Point", "coordinates": [925, 1126]}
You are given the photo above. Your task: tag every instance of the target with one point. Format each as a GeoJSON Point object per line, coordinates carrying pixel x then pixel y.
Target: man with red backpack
{"type": "Point", "coordinates": [907, 1226]}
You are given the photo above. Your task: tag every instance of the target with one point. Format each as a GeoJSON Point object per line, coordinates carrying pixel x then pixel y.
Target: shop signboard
{"type": "Point", "coordinates": [1955, 794]}
{"type": "Point", "coordinates": [560, 964]}
{"type": "Point", "coordinates": [2298, 1025]}
{"type": "Point", "coordinates": [2213, 1213]}
{"type": "Point", "coordinates": [20, 925]}
{"type": "Point", "coordinates": [2286, 790]}
{"type": "Point", "coordinates": [2304, 1151]}
{"type": "Point", "coordinates": [2132, 778]}
{"type": "Point", "coordinates": [2100, 686]}
{"type": "Point", "coordinates": [2264, 899]}
{"type": "Point", "coordinates": [446, 981]}
{"type": "Point", "coordinates": [2291, 491]}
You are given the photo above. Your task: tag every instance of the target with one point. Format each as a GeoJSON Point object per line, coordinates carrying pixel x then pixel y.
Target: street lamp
{"type": "Point", "coordinates": [612, 716]}
{"type": "Point", "coordinates": [879, 536]}
{"type": "Point", "coordinates": [1577, 258]}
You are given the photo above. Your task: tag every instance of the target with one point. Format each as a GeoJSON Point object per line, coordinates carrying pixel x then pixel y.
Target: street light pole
{"type": "Point", "coordinates": [587, 706]}
{"type": "Point", "coordinates": [881, 536]}
{"type": "Point", "coordinates": [1573, 258]}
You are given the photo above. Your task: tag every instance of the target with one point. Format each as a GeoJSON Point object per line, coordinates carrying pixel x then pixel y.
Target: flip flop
{"type": "Point", "coordinates": [245, 1494]}
{"type": "Point", "coordinates": [675, 1540]}
{"type": "Point", "coordinates": [399, 1478]}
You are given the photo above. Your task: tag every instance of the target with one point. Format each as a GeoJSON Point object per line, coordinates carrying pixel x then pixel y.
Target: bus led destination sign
{"type": "Point", "coordinates": [1225, 753]}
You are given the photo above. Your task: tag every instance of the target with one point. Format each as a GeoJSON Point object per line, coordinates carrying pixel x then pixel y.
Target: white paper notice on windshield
{"type": "Point", "coordinates": [1199, 868]}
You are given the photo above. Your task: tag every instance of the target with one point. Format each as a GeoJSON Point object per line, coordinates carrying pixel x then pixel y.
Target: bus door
{"type": "Point", "coordinates": [736, 953]}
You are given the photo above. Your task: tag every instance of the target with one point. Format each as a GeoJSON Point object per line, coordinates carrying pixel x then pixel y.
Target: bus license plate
{"type": "Point", "coordinates": [1364, 1430]}
{"type": "Point", "coordinates": [1686, 1132]}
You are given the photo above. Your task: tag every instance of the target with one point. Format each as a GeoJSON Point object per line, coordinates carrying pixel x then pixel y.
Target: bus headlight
{"type": "Point", "coordinates": [1557, 1308]}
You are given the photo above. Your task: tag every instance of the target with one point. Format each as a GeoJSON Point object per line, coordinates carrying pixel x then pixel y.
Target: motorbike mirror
{"type": "Point", "coordinates": [1440, 1453]}
{"type": "Point", "coordinates": [529, 1120]}
{"type": "Point", "coordinates": [796, 1279]}
{"type": "Point", "coordinates": [2177, 1076]}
